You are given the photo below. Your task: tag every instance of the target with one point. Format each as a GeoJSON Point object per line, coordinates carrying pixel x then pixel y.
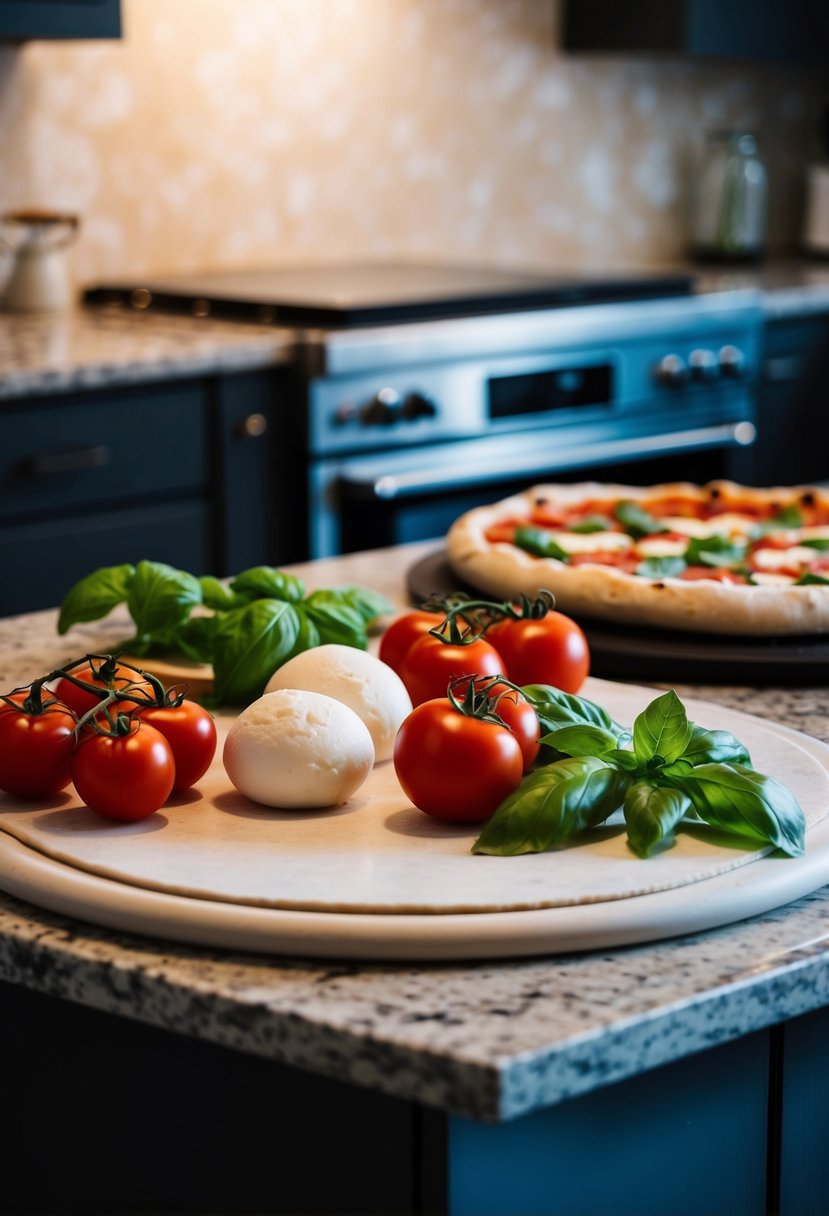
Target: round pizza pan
{"type": "Point", "coordinates": [624, 652]}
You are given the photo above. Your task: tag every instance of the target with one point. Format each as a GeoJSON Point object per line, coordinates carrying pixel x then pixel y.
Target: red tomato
{"type": "Point", "coordinates": [454, 767]}
{"type": "Point", "coordinates": [712, 574]}
{"type": "Point", "coordinates": [35, 750]}
{"type": "Point", "coordinates": [81, 701]}
{"type": "Point", "coordinates": [517, 714]}
{"type": "Point", "coordinates": [191, 734]}
{"type": "Point", "coordinates": [430, 665]}
{"type": "Point", "coordinates": [550, 650]}
{"type": "Point", "coordinates": [124, 777]}
{"type": "Point", "coordinates": [402, 633]}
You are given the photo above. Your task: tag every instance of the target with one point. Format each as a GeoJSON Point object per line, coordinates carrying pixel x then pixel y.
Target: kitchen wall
{"type": "Point", "coordinates": [224, 133]}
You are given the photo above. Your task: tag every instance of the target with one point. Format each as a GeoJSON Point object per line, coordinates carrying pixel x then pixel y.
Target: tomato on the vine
{"type": "Point", "coordinates": [35, 749]}
{"type": "Point", "coordinates": [515, 712]}
{"type": "Point", "coordinates": [403, 632]}
{"type": "Point", "coordinates": [80, 701]}
{"type": "Point", "coordinates": [551, 649]}
{"type": "Point", "coordinates": [124, 776]}
{"type": "Point", "coordinates": [191, 733]}
{"type": "Point", "coordinates": [455, 767]}
{"type": "Point", "coordinates": [430, 665]}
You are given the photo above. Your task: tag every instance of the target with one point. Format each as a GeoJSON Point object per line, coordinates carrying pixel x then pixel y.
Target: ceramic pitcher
{"type": "Point", "coordinates": [37, 241]}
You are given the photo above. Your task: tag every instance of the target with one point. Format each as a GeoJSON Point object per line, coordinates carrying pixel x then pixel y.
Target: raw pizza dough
{"type": "Point", "coordinates": [504, 570]}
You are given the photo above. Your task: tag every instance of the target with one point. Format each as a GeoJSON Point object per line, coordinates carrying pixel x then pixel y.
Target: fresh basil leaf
{"type": "Point", "coordinates": [592, 523]}
{"type": "Point", "coordinates": [541, 543]}
{"type": "Point", "coordinates": [556, 708]}
{"type": "Point", "coordinates": [715, 747]}
{"type": "Point", "coordinates": [370, 604]}
{"type": "Point", "coordinates": [787, 517]}
{"type": "Point", "coordinates": [264, 582]}
{"type": "Point", "coordinates": [636, 521]}
{"type": "Point", "coordinates": [676, 770]}
{"type": "Point", "coordinates": [747, 804]}
{"type": "Point", "coordinates": [651, 814]}
{"type": "Point", "coordinates": [249, 644]}
{"type": "Point", "coordinates": [623, 758]}
{"type": "Point", "coordinates": [197, 637]}
{"type": "Point", "coordinates": [580, 740]}
{"type": "Point", "coordinates": [336, 622]}
{"type": "Point", "coordinates": [95, 596]}
{"type": "Point", "coordinates": [552, 805]}
{"type": "Point", "coordinates": [716, 551]}
{"type": "Point", "coordinates": [308, 635]}
{"type": "Point", "coordinates": [815, 542]}
{"type": "Point", "coordinates": [661, 730]}
{"type": "Point", "coordinates": [661, 567]}
{"type": "Point", "coordinates": [160, 599]}
{"type": "Point", "coordinates": [809, 579]}
{"type": "Point", "coordinates": [217, 596]}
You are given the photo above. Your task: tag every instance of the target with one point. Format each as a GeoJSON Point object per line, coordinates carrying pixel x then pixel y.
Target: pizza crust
{"type": "Point", "coordinates": [603, 592]}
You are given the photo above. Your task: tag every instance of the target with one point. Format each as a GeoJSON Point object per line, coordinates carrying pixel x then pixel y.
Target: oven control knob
{"type": "Point", "coordinates": [671, 370]}
{"type": "Point", "coordinates": [732, 362]}
{"type": "Point", "coordinates": [384, 409]}
{"type": "Point", "coordinates": [703, 365]}
{"type": "Point", "coordinates": [416, 405]}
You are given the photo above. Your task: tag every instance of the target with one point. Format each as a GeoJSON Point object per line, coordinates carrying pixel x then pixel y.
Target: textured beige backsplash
{"type": "Point", "coordinates": [224, 133]}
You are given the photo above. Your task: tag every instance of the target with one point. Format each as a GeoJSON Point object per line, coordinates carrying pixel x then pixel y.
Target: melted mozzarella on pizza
{"type": "Point", "coordinates": [662, 546]}
{"type": "Point", "coordinates": [783, 559]}
{"type": "Point", "coordinates": [591, 542]}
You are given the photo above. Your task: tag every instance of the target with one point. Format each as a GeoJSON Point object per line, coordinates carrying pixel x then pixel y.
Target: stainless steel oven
{"type": "Point", "coordinates": [405, 426]}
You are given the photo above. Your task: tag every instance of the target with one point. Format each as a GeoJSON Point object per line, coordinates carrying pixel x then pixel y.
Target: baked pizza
{"type": "Point", "coordinates": [718, 558]}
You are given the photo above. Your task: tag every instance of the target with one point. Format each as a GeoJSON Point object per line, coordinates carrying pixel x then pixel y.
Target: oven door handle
{"type": "Point", "coordinates": [466, 472]}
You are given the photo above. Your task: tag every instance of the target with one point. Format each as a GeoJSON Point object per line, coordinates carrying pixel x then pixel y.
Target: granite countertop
{"type": "Point", "coordinates": [94, 348]}
{"type": "Point", "coordinates": [86, 348]}
{"type": "Point", "coordinates": [487, 1040]}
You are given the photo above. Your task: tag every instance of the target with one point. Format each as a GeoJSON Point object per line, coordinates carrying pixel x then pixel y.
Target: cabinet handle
{"type": "Point", "coordinates": [46, 463]}
{"type": "Point", "coordinates": [252, 427]}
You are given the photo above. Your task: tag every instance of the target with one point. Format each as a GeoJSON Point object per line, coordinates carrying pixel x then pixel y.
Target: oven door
{"type": "Point", "coordinates": [365, 502]}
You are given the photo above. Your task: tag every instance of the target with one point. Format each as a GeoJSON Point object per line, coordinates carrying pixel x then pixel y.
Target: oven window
{"type": "Point", "coordinates": [538, 392]}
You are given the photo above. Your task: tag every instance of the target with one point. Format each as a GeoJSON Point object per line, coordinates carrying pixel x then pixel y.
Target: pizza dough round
{"type": "Point", "coordinates": [503, 570]}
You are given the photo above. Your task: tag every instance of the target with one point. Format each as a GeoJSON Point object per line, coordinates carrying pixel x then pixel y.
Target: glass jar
{"type": "Point", "coordinates": [730, 197]}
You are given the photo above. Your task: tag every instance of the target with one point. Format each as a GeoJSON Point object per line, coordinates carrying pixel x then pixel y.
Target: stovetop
{"type": "Point", "coordinates": [358, 294]}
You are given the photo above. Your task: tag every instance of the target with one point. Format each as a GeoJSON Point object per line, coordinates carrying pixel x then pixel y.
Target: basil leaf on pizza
{"type": "Point", "coordinates": [661, 567]}
{"type": "Point", "coordinates": [541, 543]}
{"type": "Point", "coordinates": [718, 551]}
{"type": "Point", "coordinates": [636, 521]}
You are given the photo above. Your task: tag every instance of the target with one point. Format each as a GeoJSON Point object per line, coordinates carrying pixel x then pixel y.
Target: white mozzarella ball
{"type": "Point", "coordinates": [360, 680]}
{"type": "Point", "coordinates": [294, 749]}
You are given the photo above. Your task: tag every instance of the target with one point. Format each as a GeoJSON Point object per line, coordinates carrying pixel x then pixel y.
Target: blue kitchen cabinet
{"type": "Point", "coordinates": [214, 1130]}
{"type": "Point", "coordinates": [180, 471]}
{"type": "Point", "coordinates": [24, 19]}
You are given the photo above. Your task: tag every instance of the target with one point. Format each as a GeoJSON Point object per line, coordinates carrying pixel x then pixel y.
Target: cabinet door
{"type": "Point", "coordinates": [804, 1163]}
{"type": "Point", "coordinates": [792, 416]}
{"type": "Point", "coordinates": [22, 19]}
{"type": "Point", "coordinates": [42, 559]}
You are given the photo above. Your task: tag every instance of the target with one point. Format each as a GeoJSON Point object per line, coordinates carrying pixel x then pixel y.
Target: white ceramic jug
{"type": "Point", "coordinates": [37, 240]}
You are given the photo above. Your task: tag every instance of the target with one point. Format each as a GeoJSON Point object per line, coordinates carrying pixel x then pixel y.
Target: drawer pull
{"type": "Point", "coordinates": [47, 463]}
{"type": "Point", "coordinates": [253, 426]}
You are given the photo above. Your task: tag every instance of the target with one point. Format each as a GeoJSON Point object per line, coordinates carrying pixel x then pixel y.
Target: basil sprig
{"type": "Point", "coordinates": [665, 771]}
{"type": "Point", "coordinates": [254, 624]}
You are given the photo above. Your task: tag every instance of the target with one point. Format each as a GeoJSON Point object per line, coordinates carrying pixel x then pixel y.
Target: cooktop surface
{"type": "Point", "coordinates": [377, 293]}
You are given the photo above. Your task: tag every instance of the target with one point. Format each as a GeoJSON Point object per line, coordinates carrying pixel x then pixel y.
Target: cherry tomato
{"type": "Point", "coordinates": [191, 734]}
{"type": "Point", "coordinates": [81, 701]}
{"type": "Point", "coordinates": [712, 574]}
{"type": "Point", "coordinates": [35, 750]}
{"type": "Point", "coordinates": [404, 631]}
{"type": "Point", "coordinates": [430, 665]}
{"type": "Point", "coordinates": [516, 713]}
{"type": "Point", "coordinates": [124, 777]}
{"type": "Point", "coordinates": [550, 650]}
{"type": "Point", "coordinates": [455, 767]}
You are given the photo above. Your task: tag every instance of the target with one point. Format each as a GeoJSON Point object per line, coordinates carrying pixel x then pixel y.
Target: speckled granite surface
{"type": "Point", "coordinates": [94, 348]}
{"type": "Point", "coordinates": [487, 1040]}
{"type": "Point", "coordinates": [46, 353]}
